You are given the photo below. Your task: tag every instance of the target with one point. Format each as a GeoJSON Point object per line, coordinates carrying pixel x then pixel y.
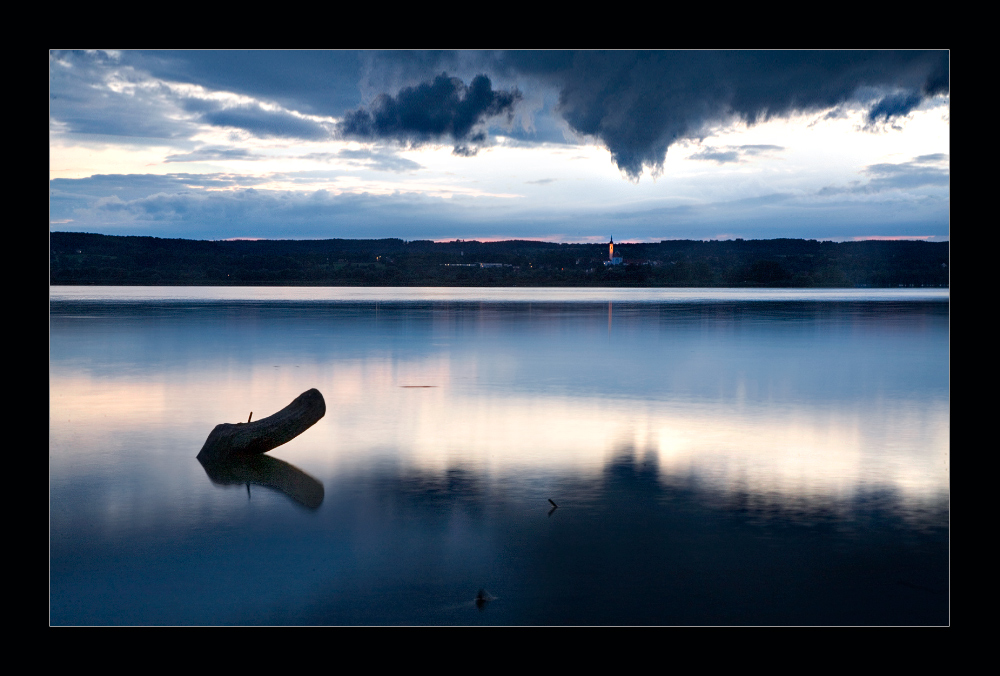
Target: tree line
{"type": "Point", "coordinates": [94, 259]}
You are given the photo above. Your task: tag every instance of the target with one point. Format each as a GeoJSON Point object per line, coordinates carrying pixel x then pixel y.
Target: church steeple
{"type": "Point", "coordinates": [612, 260]}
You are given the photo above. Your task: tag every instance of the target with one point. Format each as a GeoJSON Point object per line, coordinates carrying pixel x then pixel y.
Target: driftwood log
{"type": "Point", "coordinates": [230, 441]}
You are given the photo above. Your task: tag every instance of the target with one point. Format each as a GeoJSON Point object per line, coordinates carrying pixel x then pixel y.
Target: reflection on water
{"type": "Point", "coordinates": [263, 470]}
{"type": "Point", "coordinates": [713, 462]}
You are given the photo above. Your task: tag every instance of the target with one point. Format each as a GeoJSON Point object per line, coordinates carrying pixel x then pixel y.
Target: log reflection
{"type": "Point", "coordinates": [263, 470]}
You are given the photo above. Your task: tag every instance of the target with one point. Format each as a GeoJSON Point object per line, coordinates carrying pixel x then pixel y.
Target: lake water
{"type": "Point", "coordinates": [717, 457]}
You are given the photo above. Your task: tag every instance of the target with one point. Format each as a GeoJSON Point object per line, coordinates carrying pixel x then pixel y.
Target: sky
{"type": "Point", "coordinates": [552, 145]}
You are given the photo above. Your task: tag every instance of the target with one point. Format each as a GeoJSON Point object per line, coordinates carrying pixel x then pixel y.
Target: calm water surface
{"type": "Point", "coordinates": [717, 456]}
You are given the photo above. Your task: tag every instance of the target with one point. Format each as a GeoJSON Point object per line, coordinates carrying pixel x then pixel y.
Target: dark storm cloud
{"type": "Point", "coordinates": [446, 108]}
{"type": "Point", "coordinates": [463, 150]}
{"type": "Point", "coordinates": [895, 105]}
{"type": "Point", "coordinates": [639, 103]}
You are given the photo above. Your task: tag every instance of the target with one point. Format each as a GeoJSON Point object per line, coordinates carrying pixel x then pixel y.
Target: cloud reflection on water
{"type": "Point", "coordinates": [824, 404]}
{"type": "Point", "coordinates": [715, 463]}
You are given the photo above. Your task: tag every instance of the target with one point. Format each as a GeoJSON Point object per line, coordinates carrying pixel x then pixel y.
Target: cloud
{"type": "Point", "coordinates": [212, 214]}
{"type": "Point", "coordinates": [932, 158]}
{"type": "Point", "coordinates": [131, 186]}
{"type": "Point", "coordinates": [760, 148]}
{"type": "Point", "coordinates": [266, 123]}
{"type": "Point", "coordinates": [208, 153]}
{"type": "Point", "coordinates": [81, 199]}
{"type": "Point", "coordinates": [925, 171]}
{"type": "Point", "coordinates": [735, 153]}
{"type": "Point", "coordinates": [311, 82]}
{"type": "Point", "coordinates": [443, 109]}
{"type": "Point", "coordinates": [892, 106]}
{"type": "Point", "coordinates": [720, 156]}
{"type": "Point", "coordinates": [257, 120]}
{"type": "Point", "coordinates": [378, 160]}
{"type": "Point", "coordinates": [117, 95]}
{"type": "Point", "coordinates": [905, 176]}
{"type": "Point", "coordinates": [193, 206]}
{"type": "Point", "coordinates": [638, 104]}
{"type": "Point", "coordinates": [93, 93]}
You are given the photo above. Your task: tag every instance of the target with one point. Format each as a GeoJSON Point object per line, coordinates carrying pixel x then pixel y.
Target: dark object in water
{"type": "Point", "coordinates": [263, 470]}
{"type": "Point", "coordinates": [228, 441]}
{"type": "Point", "coordinates": [553, 504]}
{"type": "Point", "coordinates": [482, 598]}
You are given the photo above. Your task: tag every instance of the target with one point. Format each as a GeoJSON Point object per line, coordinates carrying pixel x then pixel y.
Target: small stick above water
{"type": "Point", "coordinates": [553, 504]}
{"type": "Point", "coordinates": [251, 415]}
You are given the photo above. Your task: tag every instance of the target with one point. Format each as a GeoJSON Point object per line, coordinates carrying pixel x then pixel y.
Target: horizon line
{"type": "Point", "coordinates": [553, 240]}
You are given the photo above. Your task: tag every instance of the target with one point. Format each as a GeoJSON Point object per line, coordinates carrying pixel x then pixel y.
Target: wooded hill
{"type": "Point", "coordinates": [85, 259]}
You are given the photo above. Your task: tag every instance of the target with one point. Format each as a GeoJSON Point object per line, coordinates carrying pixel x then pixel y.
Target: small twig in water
{"type": "Point", "coordinates": [553, 504]}
{"type": "Point", "coordinates": [482, 598]}
{"type": "Point", "coordinates": [251, 415]}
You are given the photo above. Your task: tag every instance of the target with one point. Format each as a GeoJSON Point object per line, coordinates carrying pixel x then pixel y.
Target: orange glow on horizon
{"type": "Point", "coordinates": [891, 237]}
{"type": "Point", "coordinates": [551, 239]}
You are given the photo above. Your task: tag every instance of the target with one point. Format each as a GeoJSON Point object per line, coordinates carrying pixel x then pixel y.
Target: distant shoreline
{"type": "Point", "coordinates": [84, 259]}
{"type": "Point", "coordinates": [492, 286]}
{"type": "Point", "coordinates": [72, 296]}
